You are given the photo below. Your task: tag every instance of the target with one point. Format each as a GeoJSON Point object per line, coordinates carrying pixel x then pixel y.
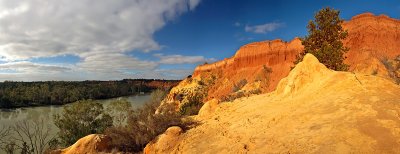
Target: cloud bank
{"type": "Point", "coordinates": [99, 32]}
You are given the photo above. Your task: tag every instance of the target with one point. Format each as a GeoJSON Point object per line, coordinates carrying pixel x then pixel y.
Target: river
{"type": "Point", "coordinates": [9, 117]}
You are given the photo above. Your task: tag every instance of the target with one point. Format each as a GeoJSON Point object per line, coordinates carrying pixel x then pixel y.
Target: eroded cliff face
{"type": "Point", "coordinates": [255, 68]}
{"type": "Point", "coordinates": [371, 39]}
{"type": "Point", "coordinates": [250, 59]}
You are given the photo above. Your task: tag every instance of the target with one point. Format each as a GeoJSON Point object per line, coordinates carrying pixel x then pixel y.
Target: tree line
{"type": "Point", "coordinates": [20, 94]}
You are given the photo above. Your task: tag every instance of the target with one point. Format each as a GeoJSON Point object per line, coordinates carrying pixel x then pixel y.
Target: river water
{"type": "Point", "coordinates": [8, 117]}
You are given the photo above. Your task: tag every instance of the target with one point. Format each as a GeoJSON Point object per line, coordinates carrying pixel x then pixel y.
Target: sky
{"type": "Point", "coordinates": [74, 40]}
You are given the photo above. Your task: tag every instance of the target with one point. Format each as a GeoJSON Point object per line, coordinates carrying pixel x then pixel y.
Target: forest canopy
{"type": "Point", "coordinates": [19, 94]}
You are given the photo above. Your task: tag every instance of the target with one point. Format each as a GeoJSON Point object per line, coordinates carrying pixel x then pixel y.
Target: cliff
{"type": "Point", "coordinates": [313, 110]}
{"type": "Point", "coordinates": [371, 39]}
{"type": "Point", "coordinates": [248, 63]}
{"type": "Point", "coordinates": [373, 42]}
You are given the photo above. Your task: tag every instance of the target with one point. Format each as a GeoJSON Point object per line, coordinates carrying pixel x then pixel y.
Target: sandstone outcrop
{"type": "Point", "coordinates": [313, 110]}
{"type": "Point", "coordinates": [248, 64]}
{"type": "Point", "coordinates": [370, 39]}
{"type": "Point", "coordinates": [208, 108]}
{"type": "Point", "coordinates": [165, 142]}
{"type": "Point", "coordinates": [94, 143]}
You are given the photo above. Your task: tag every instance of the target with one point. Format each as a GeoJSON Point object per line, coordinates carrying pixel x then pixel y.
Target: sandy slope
{"type": "Point", "coordinates": [371, 39]}
{"type": "Point", "coordinates": [313, 110]}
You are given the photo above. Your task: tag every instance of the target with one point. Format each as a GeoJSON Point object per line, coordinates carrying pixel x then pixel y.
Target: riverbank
{"type": "Point", "coordinates": [29, 94]}
{"type": "Point", "coordinates": [11, 117]}
{"type": "Point", "coordinates": [55, 105]}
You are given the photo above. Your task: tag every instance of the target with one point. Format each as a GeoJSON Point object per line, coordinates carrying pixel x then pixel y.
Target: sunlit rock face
{"type": "Point", "coordinates": [313, 110]}
{"type": "Point", "coordinates": [248, 64]}
{"type": "Point", "coordinates": [370, 39]}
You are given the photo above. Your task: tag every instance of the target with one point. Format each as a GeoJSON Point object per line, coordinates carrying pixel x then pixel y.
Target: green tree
{"type": "Point", "coordinates": [119, 110]}
{"type": "Point", "coordinates": [144, 124]}
{"type": "Point", "coordinates": [80, 119]}
{"type": "Point", "coordinates": [324, 40]}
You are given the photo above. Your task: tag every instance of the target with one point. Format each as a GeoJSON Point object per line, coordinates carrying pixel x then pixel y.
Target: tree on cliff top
{"type": "Point", "coordinates": [324, 40]}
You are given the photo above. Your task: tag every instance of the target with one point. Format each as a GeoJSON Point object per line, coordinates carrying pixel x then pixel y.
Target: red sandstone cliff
{"type": "Point", "coordinates": [371, 38]}
{"type": "Point", "coordinates": [248, 63]}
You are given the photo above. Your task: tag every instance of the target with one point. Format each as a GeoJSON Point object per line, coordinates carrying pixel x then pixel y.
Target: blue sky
{"type": "Point", "coordinates": [111, 40]}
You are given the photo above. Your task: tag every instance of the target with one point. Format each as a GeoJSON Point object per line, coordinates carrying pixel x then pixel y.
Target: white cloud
{"type": "Point", "coordinates": [29, 67]}
{"type": "Point", "coordinates": [264, 28]}
{"type": "Point", "coordinates": [27, 71]}
{"type": "Point", "coordinates": [237, 24]}
{"type": "Point", "coordinates": [99, 32]}
{"type": "Point", "coordinates": [193, 4]}
{"type": "Point", "coordinates": [180, 59]}
{"type": "Point", "coordinates": [106, 66]}
{"type": "Point", "coordinates": [114, 62]}
{"type": "Point", "coordinates": [42, 28]}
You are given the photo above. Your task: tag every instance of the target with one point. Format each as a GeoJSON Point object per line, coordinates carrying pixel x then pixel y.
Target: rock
{"type": "Point", "coordinates": [313, 110]}
{"type": "Point", "coordinates": [309, 71]}
{"type": "Point", "coordinates": [208, 108]}
{"type": "Point", "coordinates": [94, 143]}
{"type": "Point", "coordinates": [164, 142]}
{"type": "Point", "coordinates": [371, 37]}
{"type": "Point", "coordinates": [248, 63]}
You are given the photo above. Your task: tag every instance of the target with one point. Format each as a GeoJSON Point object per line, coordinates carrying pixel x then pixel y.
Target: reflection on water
{"type": "Point", "coordinates": [9, 117]}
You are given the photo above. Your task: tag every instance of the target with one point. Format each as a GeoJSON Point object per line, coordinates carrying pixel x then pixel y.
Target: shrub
{"type": "Point", "coordinates": [192, 106]}
{"type": "Point", "coordinates": [324, 40]}
{"type": "Point", "coordinates": [255, 91]}
{"type": "Point", "coordinates": [239, 85]}
{"type": "Point", "coordinates": [393, 68]}
{"type": "Point", "coordinates": [27, 137]}
{"type": "Point", "coordinates": [233, 96]}
{"type": "Point", "coordinates": [200, 83]}
{"type": "Point", "coordinates": [119, 110]}
{"type": "Point", "coordinates": [264, 76]}
{"type": "Point", "coordinates": [80, 119]}
{"type": "Point", "coordinates": [145, 125]}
